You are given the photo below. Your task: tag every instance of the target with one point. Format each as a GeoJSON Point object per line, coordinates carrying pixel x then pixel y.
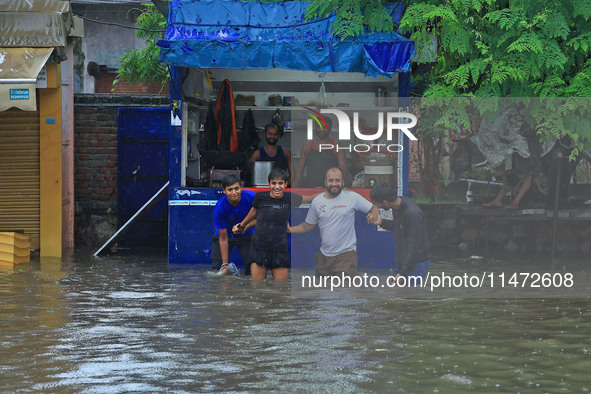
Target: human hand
{"type": "Point", "coordinates": [288, 229]}
{"type": "Point", "coordinates": [237, 229]}
{"type": "Point", "coordinates": [374, 219]}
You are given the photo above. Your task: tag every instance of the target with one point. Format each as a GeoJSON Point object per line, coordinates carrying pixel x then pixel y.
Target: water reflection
{"type": "Point", "coordinates": [133, 323]}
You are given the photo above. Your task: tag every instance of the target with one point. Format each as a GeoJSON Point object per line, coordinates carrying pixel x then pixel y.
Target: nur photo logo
{"type": "Point", "coordinates": [394, 121]}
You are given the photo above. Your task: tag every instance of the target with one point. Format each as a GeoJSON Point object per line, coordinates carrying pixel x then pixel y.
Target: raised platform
{"type": "Point", "coordinates": [528, 217]}
{"type": "Point", "coordinates": [15, 248]}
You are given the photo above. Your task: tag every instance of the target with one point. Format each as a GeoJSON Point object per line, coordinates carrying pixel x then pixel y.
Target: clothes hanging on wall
{"type": "Point", "coordinates": [248, 139]}
{"type": "Point", "coordinates": [277, 120]}
{"type": "Point", "coordinates": [208, 139]}
{"type": "Point", "coordinates": [225, 116]}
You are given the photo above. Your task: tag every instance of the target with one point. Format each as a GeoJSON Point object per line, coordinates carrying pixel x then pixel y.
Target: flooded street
{"type": "Point", "coordinates": [134, 323]}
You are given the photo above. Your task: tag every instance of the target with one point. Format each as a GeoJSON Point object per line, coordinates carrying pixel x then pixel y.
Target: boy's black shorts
{"type": "Point", "coordinates": [269, 258]}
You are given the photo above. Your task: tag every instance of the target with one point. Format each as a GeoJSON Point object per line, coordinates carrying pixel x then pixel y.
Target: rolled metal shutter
{"type": "Point", "coordinates": [19, 173]}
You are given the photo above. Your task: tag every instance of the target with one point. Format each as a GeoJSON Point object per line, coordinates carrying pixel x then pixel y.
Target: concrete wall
{"type": "Point", "coordinates": [104, 42]}
{"type": "Point", "coordinates": [453, 234]}
{"type": "Point", "coordinates": [108, 33]}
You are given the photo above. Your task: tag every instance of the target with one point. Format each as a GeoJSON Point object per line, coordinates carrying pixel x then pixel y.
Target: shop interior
{"type": "Point", "coordinates": [285, 98]}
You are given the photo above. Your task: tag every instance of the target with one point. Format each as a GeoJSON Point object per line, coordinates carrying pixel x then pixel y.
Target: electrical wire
{"type": "Point", "coordinates": [118, 24]}
{"type": "Point", "coordinates": [208, 25]}
{"type": "Point", "coordinates": [262, 26]}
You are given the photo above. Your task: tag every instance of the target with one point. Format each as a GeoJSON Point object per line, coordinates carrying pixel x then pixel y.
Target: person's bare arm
{"type": "Point", "coordinates": [241, 227]}
{"type": "Point", "coordinates": [255, 155]}
{"type": "Point", "coordinates": [374, 220]}
{"type": "Point", "coordinates": [250, 225]}
{"type": "Point", "coordinates": [308, 199]}
{"type": "Point", "coordinates": [223, 241]}
{"type": "Point", "coordinates": [301, 228]}
{"type": "Point", "coordinates": [373, 215]}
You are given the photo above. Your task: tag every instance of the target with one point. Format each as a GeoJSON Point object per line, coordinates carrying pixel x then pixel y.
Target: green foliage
{"type": "Point", "coordinates": [352, 17]}
{"type": "Point", "coordinates": [500, 48]}
{"type": "Point", "coordinates": [142, 64]}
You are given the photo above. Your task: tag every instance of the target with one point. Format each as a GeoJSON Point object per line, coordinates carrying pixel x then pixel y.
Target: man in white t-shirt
{"type": "Point", "coordinates": [334, 213]}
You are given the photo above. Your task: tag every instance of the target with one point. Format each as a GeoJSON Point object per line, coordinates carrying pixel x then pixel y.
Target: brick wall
{"type": "Point", "coordinates": [95, 142]}
{"type": "Point", "coordinates": [103, 83]}
{"type": "Point", "coordinates": [95, 162]}
{"type": "Point", "coordinates": [95, 153]}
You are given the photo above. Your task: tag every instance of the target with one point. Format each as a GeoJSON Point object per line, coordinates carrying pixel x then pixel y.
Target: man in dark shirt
{"type": "Point", "coordinates": [410, 231]}
{"type": "Point", "coordinates": [315, 162]}
{"type": "Point", "coordinates": [271, 209]}
{"type": "Point", "coordinates": [272, 151]}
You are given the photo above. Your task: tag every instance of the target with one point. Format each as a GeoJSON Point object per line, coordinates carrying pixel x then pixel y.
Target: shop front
{"type": "Point", "coordinates": [36, 127]}
{"type": "Point", "coordinates": [284, 70]}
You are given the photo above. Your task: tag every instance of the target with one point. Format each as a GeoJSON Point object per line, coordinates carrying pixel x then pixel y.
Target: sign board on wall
{"type": "Point", "coordinates": [21, 95]}
{"type": "Point", "coordinates": [19, 69]}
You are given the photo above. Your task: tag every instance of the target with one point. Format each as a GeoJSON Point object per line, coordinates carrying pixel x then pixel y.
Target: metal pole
{"type": "Point", "coordinates": [556, 197]}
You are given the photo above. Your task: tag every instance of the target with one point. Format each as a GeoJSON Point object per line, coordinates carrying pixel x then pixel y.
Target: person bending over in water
{"type": "Point", "coordinates": [232, 208]}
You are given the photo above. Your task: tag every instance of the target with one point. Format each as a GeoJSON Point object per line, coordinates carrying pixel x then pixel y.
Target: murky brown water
{"type": "Point", "coordinates": [125, 324]}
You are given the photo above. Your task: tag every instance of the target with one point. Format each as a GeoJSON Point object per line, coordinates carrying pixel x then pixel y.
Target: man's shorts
{"type": "Point", "coordinates": [335, 265]}
{"type": "Point", "coordinates": [243, 244]}
{"type": "Point", "coordinates": [269, 258]}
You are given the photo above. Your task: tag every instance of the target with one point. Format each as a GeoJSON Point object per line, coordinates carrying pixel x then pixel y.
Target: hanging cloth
{"type": "Point", "coordinates": [208, 138]}
{"type": "Point", "coordinates": [225, 116]}
{"type": "Point", "coordinates": [249, 139]}
{"type": "Point", "coordinates": [277, 120]}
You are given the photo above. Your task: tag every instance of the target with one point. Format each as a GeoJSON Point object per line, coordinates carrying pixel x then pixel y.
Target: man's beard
{"type": "Point", "coordinates": [339, 190]}
{"type": "Point", "coordinates": [272, 141]}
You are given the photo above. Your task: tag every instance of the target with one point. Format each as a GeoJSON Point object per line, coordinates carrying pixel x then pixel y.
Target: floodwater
{"type": "Point", "coordinates": [136, 324]}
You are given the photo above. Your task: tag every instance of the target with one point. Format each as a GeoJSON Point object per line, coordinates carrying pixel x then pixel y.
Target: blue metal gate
{"type": "Point", "coordinates": [143, 152]}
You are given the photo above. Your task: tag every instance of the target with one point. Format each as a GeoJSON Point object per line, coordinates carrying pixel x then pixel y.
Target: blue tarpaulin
{"type": "Point", "coordinates": [253, 35]}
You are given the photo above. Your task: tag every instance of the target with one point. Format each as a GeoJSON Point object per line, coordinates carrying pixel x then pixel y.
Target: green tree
{"type": "Point", "coordinates": [141, 65]}
{"type": "Point", "coordinates": [489, 50]}
{"type": "Point", "coordinates": [352, 17]}
{"type": "Point", "coordinates": [500, 48]}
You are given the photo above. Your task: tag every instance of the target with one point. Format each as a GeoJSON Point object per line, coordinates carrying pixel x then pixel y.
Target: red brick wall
{"type": "Point", "coordinates": [95, 142]}
{"type": "Point", "coordinates": [95, 153]}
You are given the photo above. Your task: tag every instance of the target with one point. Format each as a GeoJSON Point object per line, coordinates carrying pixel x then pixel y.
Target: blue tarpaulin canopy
{"type": "Point", "coordinates": [252, 34]}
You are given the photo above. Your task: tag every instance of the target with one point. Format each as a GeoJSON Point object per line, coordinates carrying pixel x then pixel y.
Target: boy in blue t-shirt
{"type": "Point", "coordinates": [230, 210]}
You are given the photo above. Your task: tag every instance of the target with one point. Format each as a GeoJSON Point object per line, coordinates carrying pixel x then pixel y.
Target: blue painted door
{"type": "Point", "coordinates": [143, 151]}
